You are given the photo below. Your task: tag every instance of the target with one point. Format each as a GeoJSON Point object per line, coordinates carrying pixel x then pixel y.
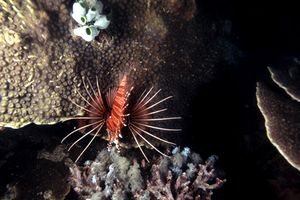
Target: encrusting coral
{"type": "Point", "coordinates": [183, 175]}
{"type": "Point", "coordinates": [42, 62]}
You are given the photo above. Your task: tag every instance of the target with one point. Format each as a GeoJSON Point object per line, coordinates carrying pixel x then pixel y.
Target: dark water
{"type": "Point", "coordinates": [231, 124]}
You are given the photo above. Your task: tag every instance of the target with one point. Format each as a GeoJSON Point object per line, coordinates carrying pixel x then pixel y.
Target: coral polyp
{"type": "Point", "coordinates": [115, 112]}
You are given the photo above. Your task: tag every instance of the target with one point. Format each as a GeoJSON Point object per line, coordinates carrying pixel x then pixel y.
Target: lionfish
{"type": "Point", "coordinates": [110, 112]}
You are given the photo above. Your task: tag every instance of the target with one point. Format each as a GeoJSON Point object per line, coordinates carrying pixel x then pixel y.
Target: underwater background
{"type": "Point", "coordinates": [216, 58]}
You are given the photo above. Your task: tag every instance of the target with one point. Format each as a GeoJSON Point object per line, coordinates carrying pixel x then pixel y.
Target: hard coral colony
{"type": "Point", "coordinates": [111, 111]}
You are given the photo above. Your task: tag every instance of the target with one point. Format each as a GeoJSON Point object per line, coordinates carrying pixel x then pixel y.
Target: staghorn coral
{"type": "Point", "coordinates": [41, 61]}
{"type": "Point", "coordinates": [111, 176]}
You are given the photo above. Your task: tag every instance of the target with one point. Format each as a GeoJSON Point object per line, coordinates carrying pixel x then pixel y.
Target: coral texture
{"type": "Point", "coordinates": [282, 122]}
{"type": "Point", "coordinates": [282, 112]}
{"type": "Point", "coordinates": [287, 76]}
{"type": "Point", "coordinates": [183, 175]}
{"type": "Point", "coordinates": [42, 62]}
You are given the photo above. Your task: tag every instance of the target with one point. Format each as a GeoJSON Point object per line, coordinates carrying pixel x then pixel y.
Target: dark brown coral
{"type": "Point", "coordinates": [41, 62]}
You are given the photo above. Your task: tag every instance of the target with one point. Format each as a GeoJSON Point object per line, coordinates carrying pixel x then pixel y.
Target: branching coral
{"type": "Point", "coordinates": [111, 176]}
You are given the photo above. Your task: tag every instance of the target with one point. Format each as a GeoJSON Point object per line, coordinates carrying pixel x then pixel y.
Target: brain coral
{"type": "Point", "coordinates": [158, 42]}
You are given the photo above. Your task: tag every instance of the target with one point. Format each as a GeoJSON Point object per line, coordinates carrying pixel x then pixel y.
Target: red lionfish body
{"type": "Point", "coordinates": [114, 118]}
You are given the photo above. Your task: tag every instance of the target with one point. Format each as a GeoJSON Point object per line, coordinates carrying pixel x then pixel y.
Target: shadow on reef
{"type": "Point", "coordinates": [26, 171]}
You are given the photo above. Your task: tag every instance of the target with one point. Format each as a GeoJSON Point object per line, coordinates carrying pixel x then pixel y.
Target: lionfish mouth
{"type": "Point", "coordinates": [110, 112]}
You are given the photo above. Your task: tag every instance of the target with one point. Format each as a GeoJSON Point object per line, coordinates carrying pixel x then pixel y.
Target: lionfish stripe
{"type": "Point", "coordinates": [99, 125]}
{"type": "Point", "coordinates": [157, 119]}
{"type": "Point", "coordinates": [87, 91]}
{"type": "Point", "coordinates": [78, 129]}
{"type": "Point", "coordinates": [118, 105]}
{"type": "Point", "coordinates": [154, 136]}
{"type": "Point", "coordinates": [85, 99]}
{"type": "Point", "coordinates": [150, 144]}
{"type": "Point", "coordinates": [90, 84]}
{"type": "Point", "coordinates": [117, 111]}
{"type": "Point", "coordinates": [87, 146]}
{"type": "Point", "coordinates": [154, 112]}
{"type": "Point", "coordinates": [110, 97]}
{"type": "Point", "coordinates": [141, 96]}
{"type": "Point", "coordinates": [142, 100]}
{"type": "Point", "coordinates": [137, 142]}
{"type": "Point", "coordinates": [169, 97]}
{"type": "Point", "coordinates": [119, 99]}
{"type": "Point", "coordinates": [146, 95]}
{"type": "Point", "coordinates": [114, 113]}
{"type": "Point", "coordinates": [83, 107]}
{"type": "Point", "coordinates": [151, 97]}
{"type": "Point", "coordinates": [98, 88]}
{"type": "Point", "coordinates": [158, 128]}
{"type": "Point", "coordinates": [85, 118]}
{"type": "Point", "coordinates": [100, 100]}
{"type": "Point", "coordinates": [116, 119]}
{"type": "Point", "coordinates": [121, 89]}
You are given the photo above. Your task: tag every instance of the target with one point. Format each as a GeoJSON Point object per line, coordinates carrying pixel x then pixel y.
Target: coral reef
{"type": "Point", "coordinates": [41, 61]}
{"type": "Point", "coordinates": [282, 111]}
{"type": "Point", "coordinates": [183, 175]}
